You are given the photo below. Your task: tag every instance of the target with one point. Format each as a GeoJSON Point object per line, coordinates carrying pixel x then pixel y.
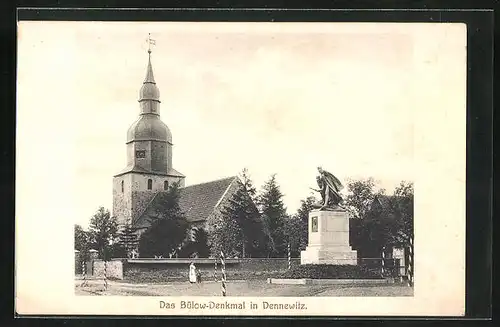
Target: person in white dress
{"type": "Point", "coordinates": [192, 273]}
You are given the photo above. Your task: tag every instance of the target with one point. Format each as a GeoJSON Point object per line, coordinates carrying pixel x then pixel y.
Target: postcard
{"type": "Point", "coordinates": [240, 169]}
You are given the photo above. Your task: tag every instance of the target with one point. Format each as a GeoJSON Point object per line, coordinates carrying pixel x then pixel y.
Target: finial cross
{"type": "Point", "coordinates": [150, 42]}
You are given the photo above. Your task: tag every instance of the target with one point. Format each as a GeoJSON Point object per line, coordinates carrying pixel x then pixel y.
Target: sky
{"type": "Point", "coordinates": [273, 98]}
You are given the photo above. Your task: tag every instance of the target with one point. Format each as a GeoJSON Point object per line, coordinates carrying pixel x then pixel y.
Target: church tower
{"type": "Point", "coordinates": [149, 157]}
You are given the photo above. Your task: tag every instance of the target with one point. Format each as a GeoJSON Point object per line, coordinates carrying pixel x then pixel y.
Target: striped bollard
{"type": "Point", "coordinates": [410, 263]}
{"type": "Point", "coordinates": [84, 273]}
{"type": "Point", "coordinates": [289, 257]}
{"type": "Point", "coordinates": [215, 270]}
{"type": "Point", "coordinates": [383, 261]}
{"type": "Point", "coordinates": [105, 275]}
{"type": "Point", "coordinates": [223, 269]}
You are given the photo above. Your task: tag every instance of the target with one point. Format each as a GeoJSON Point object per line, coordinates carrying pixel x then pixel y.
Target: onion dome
{"type": "Point", "coordinates": [149, 128]}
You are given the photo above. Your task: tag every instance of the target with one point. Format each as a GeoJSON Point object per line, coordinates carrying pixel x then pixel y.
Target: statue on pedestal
{"type": "Point", "coordinates": [329, 188]}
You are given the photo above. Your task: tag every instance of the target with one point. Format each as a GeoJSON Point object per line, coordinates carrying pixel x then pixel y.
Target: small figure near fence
{"type": "Point", "coordinates": [194, 274]}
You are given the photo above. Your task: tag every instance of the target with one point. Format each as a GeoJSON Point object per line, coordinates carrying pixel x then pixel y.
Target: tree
{"type": "Point", "coordinates": [293, 233]}
{"type": "Point", "coordinates": [273, 215]}
{"type": "Point", "coordinates": [237, 230]}
{"type": "Point", "coordinates": [361, 194]}
{"type": "Point", "coordinates": [257, 237]}
{"type": "Point", "coordinates": [168, 226]}
{"type": "Point", "coordinates": [401, 211]}
{"type": "Point", "coordinates": [103, 233]}
{"type": "Point", "coordinates": [386, 221]}
{"type": "Point", "coordinates": [224, 235]}
{"type": "Point", "coordinates": [196, 245]}
{"type": "Point", "coordinates": [243, 211]}
{"type": "Point", "coordinates": [248, 184]}
{"type": "Point", "coordinates": [82, 242]}
{"type": "Point", "coordinates": [296, 226]}
{"type": "Point", "coordinates": [127, 241]}
{"type": "Point", "coordinates": [81, 238]}
{"type": "Point", "coordinates": [200, 243]}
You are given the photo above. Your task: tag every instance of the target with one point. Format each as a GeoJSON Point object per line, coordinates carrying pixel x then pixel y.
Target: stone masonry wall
{"type": "Point", "coordinates": [140, 200]}
{"type": "Point", "coordinates": [159, 156]}
{"type": "Point", "coordinates": [122, 201]}
{"type": "Point", "coordinates": [114, 269]}
{"type": "Point", "coordinates": [141, 196]}
{"type": "Point", "coordinates": [130, 203]}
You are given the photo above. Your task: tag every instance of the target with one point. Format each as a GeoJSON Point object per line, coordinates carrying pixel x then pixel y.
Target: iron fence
{"type": "Point", "coordinates": [387, 267]}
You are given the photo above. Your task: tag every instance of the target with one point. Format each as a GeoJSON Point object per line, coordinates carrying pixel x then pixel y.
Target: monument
{"type": "Point", "coordinates": [328, 226]}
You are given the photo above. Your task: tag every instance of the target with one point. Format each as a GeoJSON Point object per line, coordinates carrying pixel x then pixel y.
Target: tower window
{"type": "Point", "coordinates": [140, 154]}
{"type": "Point", "coordinates": [150, 184]}
{"type": "Point", "coordinates": [122, 186]}
{"type": "Point", "coordinates": [165, 185]}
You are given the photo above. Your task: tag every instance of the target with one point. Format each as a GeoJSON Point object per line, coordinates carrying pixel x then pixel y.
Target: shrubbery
{"type": "Point", "coordinates": [160, 276]}
{"type": "Point", "coordinates": [331, 272]}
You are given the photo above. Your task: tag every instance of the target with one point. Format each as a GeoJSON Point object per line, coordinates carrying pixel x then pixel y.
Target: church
{"type": "Point", "coordinates": [138, 188]}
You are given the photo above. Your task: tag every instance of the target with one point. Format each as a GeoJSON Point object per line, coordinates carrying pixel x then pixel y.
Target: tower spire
{"type": "Point", "coordinates": [149, 73]}
{"type": "Point", "coordinates": [149, 95]}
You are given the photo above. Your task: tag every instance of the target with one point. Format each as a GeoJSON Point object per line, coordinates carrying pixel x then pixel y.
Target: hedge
{"type": "Point", "coordinates": [331, 272]}
{"type": "Point", "coordinates": [165, 276]}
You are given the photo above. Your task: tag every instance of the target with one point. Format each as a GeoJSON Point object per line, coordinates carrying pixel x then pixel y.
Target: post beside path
{"type": "Point", "coordinates": [223, 269]}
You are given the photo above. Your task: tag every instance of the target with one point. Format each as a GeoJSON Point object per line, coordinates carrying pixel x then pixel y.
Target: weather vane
{"type": "Point", "coordinates": [150, 42]}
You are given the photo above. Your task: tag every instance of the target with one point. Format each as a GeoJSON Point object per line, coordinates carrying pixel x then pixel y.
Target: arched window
{"type": "Point", "coordinates": [165, 185]}
{"type": "Point", "coordinates": [150, 184]}
{"type": "Point", "coordinates": [122, 186]}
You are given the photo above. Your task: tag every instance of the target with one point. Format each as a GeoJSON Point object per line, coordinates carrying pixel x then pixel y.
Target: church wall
{"type": "Point", "coordinates": [122, 201]}
{"type": "Point", "coordinates": [181, 180]}
{"type": "Point", "coordinates": [140, 199]}
{"type": "Point", "coordinates": [169, 156]}
{"type": "Point", "coordinates": [159, 156]}
{"type": "Point", "coordinates": [130, 154]}
{"type": "Point", "coordinates": [135, 196]}
{"type": "Point", "coordinates": [141, 196]}
{"type": "Point", "coordinates": [146, 161]}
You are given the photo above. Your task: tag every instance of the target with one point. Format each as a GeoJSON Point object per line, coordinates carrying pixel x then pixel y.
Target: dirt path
{"type": "Point", "coordinates": [237, 288]}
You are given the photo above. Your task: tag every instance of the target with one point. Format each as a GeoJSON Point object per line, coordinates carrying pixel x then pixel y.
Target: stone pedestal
{"type": "Point", "coordinates": [329, 239]}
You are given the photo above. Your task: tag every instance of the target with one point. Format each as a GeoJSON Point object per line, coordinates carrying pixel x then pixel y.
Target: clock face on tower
{"type": "Point", "coordinates": [140, 153]}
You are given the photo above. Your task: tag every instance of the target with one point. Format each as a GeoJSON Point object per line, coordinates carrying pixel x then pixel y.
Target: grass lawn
{"type": "Point", "coordinates": [237, 288]}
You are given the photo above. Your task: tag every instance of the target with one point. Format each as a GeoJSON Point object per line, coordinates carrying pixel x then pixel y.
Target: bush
{"type": "Point", "coordinates": [331, 272]}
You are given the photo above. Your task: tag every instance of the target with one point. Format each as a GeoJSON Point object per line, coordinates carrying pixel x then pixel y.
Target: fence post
{"type": "Point", "coordinates": [399, 271]}
{"type": "Point", "coordinates": [215, 269]}
{"type": "Point", "coordinates": [410, 263]}
{"type": "Point", "coordinates": [383, 261]}
{"type": "Point", "coordinates": [289, 257]}
{"type": "Point", "coordinates": [223, 269]}
{"type": "Point", "coordinates": [84, 273]}
{"type": "Point", "coordinates": [105, 275]}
